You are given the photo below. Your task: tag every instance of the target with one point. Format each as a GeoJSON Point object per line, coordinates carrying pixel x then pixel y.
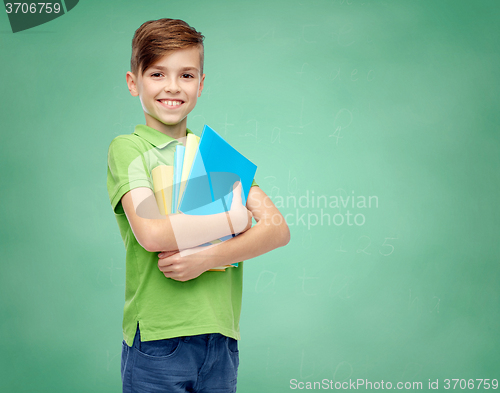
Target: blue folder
{"type": "Point", "coordinates": [216, 167]}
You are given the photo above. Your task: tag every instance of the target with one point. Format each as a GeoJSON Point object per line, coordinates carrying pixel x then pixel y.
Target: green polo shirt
{"type": "Point", "coordinates": [164, 308]}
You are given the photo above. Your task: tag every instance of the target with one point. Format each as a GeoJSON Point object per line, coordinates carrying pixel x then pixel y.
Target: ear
{"type": "Point", "coordinates": [132, 85]}
{"type": "Point", "coordinates": [201, 85]}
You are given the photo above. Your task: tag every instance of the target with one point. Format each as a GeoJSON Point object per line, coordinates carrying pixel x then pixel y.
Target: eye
{"type": "Point", "coordinates": [187, 76]}
{"type": "Point", "coordinates": [156, 75]}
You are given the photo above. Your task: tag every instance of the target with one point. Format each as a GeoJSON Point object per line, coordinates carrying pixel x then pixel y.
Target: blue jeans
{"type": "Point", "coordinates": [203, 363]}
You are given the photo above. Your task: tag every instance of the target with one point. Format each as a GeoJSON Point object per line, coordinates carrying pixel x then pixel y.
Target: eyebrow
{"type": "Point", "coordinates": [182, 69]}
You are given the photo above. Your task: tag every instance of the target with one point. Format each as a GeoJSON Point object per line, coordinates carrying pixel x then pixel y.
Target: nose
{"type": "Point", "coordinates": [172, 86]}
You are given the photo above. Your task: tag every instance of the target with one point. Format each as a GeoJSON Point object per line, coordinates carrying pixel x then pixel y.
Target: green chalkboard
{"type": "Point", "coordinates": [375, 129]}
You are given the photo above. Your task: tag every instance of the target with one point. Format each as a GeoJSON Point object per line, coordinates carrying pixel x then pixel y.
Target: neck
{"type": "Point", "coordinates": [175, 131]}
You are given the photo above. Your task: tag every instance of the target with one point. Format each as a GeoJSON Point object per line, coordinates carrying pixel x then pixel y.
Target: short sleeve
{"type": "Point", "coordinates": [126, 170]}
{"type": "Point", "coordinates": [254, 183]}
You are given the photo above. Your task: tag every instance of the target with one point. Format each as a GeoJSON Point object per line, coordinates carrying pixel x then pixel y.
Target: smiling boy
{"type": "Point", "coordinates": [181, 321]}
{"type": "Point", "coordinates": [166, 107]}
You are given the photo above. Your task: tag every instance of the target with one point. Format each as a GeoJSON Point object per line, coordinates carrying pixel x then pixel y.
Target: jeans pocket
{"type": "Point", "coordinates": [125, 351]}
{"type": "Point", "coordinates": [160, 348]}
{"type": "Point", "coordinates": [232, 345]}
{"type": "Point", "coordinates": [233, 359]}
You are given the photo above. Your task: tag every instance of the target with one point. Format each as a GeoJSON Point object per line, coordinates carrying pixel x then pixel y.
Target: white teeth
{"type": "Point", "coordinates": [172, 103]}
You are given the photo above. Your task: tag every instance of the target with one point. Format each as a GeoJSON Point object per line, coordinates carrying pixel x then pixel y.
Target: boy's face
{"type": "Point", "coordinates": [169, 89]}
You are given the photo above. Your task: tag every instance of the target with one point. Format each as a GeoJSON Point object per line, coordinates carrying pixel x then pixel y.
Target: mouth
{"type": "Point", "coordinates": [171, 104]}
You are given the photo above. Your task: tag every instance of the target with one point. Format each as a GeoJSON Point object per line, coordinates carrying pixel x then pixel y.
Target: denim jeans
{"type": "Point", "coordinates": [202, 364]}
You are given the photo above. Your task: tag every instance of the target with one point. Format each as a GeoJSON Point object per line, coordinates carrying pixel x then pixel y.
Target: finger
{"type": "Point", "coordinates": [168, 273]}
{"type": "Point", "coordinates": [166, 254]}
{"type": "Point", "coordinates": [164, 265]}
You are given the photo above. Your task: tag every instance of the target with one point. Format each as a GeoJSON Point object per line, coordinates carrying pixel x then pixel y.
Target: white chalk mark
{"type": "Point", "coordinates": [303, 35]}
{"type": "Point", "coordinates": [109, 361]}
{"type": "Point", "coordinates": [339, 127]}
{"type": "Point", "coordinates": [338, 368]}
{"type": "Point", "coordinates": [292, 182]}
{"type": "Point", "coordinates": [226, 124]}
{"type": "Point", "coordinates": [340, 249]}
{"type": "Point", "coordinates": [255, 135]}
{"type": "Point", "coordinates": [363, 250]}
{"type": "Point", "coordinates": [278, 137]}
{"type": "Point", "coordinates": [304, 278]}
{"type": "Point", "coordinates": [343, 287]}
{"type": "Point", "coordinates": [267, 286]}
{"type": "Point", "coordinates": [302, 69]}
{"type": "Point", "coordinates": [301, 125]}
{"type": "Point", "coordinates": [436, 307]}
{"type": "Point", "coordinates": [302, 376]}
{"type": "Point", "coordinates": [387, 245]}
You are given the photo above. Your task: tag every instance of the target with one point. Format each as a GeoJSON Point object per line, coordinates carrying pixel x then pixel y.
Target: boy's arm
{"type": "Point", "coordinates": [270, 232]}
{"type": "Point", "coordinates": [156, 232]}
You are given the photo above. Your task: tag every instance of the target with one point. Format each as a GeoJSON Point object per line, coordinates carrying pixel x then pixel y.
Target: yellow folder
{"type": "Point", "coordinates": [163, 177]}
{"type": "Point", "coordinates": [163, 180]}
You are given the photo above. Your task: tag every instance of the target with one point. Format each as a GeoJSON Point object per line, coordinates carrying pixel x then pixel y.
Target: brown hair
{"type": "Point", "coordinates": [155, 38]}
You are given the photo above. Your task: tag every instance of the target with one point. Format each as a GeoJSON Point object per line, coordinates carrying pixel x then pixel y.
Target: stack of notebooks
{"type": "Point", "coordinates": [201, 180]}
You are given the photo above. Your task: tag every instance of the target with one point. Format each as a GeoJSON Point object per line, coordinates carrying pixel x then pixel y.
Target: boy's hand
{"type": "Point", "coordinates": [186, 267]}
{"type": "Point", "coordinates": [240, 218]}
{"type": "Point", "coordinates": [193, 261]}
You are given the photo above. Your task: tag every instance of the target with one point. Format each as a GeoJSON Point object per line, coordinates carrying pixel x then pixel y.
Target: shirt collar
{"type": "Point", "coordinates": [155, 137]}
